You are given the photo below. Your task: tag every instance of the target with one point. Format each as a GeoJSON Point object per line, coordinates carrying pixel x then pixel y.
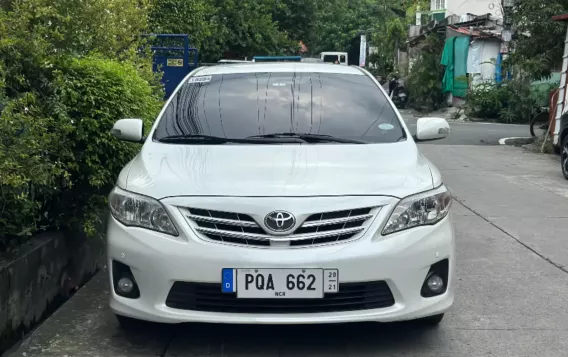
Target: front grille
{"type": "Point", "coordinates": [208, 297]}
{"type": "Point", "coordinates": [319, 228]}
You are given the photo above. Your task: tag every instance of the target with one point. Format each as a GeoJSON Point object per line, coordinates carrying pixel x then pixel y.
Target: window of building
{"type": "Point", "coordinates": [438, 5]}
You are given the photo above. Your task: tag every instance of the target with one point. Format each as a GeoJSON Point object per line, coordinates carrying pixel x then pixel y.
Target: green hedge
{"type": "Point", "coordinates": [513, 101]}
{"type": "Point", "coordinates": [58, 160]}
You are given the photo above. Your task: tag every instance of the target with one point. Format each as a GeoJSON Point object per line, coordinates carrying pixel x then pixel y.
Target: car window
{"type": "Point", "coordinates": [245, 104]}
{"type": "Point", "coordinates": [330, 58]}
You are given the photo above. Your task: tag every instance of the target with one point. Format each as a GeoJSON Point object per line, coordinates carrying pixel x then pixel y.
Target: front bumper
{"type": "Point", "coordinates": [402, 260]}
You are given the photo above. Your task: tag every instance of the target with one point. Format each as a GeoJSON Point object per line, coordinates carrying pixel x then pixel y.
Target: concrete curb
{"type": "Point", "coordinates": [516, 141]}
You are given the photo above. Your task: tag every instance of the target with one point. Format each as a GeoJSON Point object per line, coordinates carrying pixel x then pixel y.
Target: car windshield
{"type": "Point", "coordinates": [243, 105]}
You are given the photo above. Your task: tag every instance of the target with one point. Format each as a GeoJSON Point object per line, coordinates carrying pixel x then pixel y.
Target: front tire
{"type": "Point", "coordinates": [564, 157]}
{"type": "Point", "coordinates": [431, 320]}
{"type": "Point", "coordinates": [129, 324]}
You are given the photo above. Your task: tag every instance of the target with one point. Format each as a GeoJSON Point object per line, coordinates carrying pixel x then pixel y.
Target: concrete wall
{"type": "Point", "coordinates": [39, 276]}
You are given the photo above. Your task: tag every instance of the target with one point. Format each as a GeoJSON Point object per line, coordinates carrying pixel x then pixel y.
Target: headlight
{"type": "Point", "coordinates": [136, 210]}
{"type": "Point", "coordinates": [423, 209]}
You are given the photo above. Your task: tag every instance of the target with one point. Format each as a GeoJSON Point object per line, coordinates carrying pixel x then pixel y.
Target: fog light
{"type": "Point", "coordinates": [436, 281]}
{"type": "Point", "coordinates": [435, 284]}
{"type": "Point", "coordinates": [125, 285]}
{"type": "Point", "coordinates": [123, 281]}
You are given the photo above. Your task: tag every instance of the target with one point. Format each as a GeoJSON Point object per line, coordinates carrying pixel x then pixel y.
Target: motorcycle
{"type": "Point", "coordinates": [399, 95]}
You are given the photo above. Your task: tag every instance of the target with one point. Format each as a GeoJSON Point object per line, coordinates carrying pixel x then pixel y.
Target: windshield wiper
{"type": "Point", "coordinates": [217, 140]}
{"type": "Point", "coordinates": [309, 138]}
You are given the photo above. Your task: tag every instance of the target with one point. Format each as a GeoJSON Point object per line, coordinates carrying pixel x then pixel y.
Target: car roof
{"type": "Point", "coordinates": [280, 67]}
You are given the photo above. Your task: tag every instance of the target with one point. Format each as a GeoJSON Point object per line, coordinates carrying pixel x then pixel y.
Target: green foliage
{"type": "Point", "coordinates": [69, 69]}
{"type": "Point", "coordinates": [394, 34]}
{"type": "Point", "coordinates": [273, 27]}
{"type": "Point", "coordinates": [110, 27]}
{"type": "Point", "coordinates": [94, 93]}
{"type": "Point", "coordinates": [246, 27]}
{"type": "Point", "coordinates": [339, 21]}
{"type": "Point", "coordinates": [539, 43]}
{"type": "Point", "coordinates": [66, 75]}
{"type": "Point", "coordinates": [58, 157]}
{"type": "Point", "coordinates": [29, 176]}
{"type": "Point", "coordinates": [297, 18]}
{"type": "Point", "coordinates": [425, 79]}
{"type": "Point", "coordinates": [197, 18]}
{"type": "Point", "coordinates": [514, 101]}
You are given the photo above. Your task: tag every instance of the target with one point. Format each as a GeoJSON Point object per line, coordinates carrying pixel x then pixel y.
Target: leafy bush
{"type": "Point", "coordinates": [58, 159]}
{"type": "Point", "coordinates": [29, 176]}
{"type": "Point", "coordinates": [512, 101]}
{"type": "Point", "coordinates": [95, 93]}
{"type": "Point", "coordinates": [66, 74]}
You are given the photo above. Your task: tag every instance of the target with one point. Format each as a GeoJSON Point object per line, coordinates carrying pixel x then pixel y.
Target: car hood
{"type": "Point", "coordinates": [169, 170]}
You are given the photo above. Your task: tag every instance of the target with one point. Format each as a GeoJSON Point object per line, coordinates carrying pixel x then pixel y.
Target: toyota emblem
{"type": "Point", "coordinates": [280, 221]}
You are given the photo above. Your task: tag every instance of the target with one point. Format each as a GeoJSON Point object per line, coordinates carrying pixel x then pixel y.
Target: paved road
{"type": "Point", "coordinates": [472, 133]}
{"type": "Point", "coordinates": [511, 217]}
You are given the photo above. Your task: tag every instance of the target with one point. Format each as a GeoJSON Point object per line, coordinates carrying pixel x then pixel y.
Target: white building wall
{"type": "Point", "coordinates": [488, 53]}
{"type": "Point", "coordinates": [476, 7]}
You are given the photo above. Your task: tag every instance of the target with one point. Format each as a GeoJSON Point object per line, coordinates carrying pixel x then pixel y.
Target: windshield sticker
{"type": "Point", "coordinates": [386, 126]}
{"type": "Point", "coordinates": [200, 79]}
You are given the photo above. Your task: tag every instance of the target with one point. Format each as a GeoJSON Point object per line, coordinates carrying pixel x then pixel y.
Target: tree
{"type": "Point", "coordinates": [197, 18]}
{"type": "Point", "coordinates": [539, 41]}
{"type": "Point", "coordinates": [339, 21]}
{"type": "Point", "coordinates": [297, 18]}
{"type": "Point", "coordinates": [246, 27]}
{"type": "Point", "coordinates": [392, 32]}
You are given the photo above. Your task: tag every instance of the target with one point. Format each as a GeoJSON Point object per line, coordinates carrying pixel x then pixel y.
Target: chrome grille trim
{"type": "Point", "coordinates": [328, 222]}
{"type": "Point", "coordinates": [215, 220]}
{"type": "Point", "coordinates": [291, 238]}
{"type": "Point", "coordinates": [313, 229]}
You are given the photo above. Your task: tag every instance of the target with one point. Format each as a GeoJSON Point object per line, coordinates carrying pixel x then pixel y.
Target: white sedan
{"type": "Point", "coordinates": [280, 193]}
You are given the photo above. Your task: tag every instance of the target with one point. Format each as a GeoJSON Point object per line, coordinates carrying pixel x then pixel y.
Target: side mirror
{"type": "Point", "coordinates": [431, 129]}
{"type": "Point", "coordinates": [129, 130]}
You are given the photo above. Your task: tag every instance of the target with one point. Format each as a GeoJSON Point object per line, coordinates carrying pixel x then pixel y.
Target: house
{"type": "Point", "coordinates": [440, 9]}
{"type": "Point", "coordinates": [476, 63]}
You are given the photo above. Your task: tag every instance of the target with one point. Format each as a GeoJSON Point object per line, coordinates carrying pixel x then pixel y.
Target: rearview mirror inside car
{"type": "Point", "coordinates": [129, 130]}
{"type": "Point", "coordinates": [431, 129]}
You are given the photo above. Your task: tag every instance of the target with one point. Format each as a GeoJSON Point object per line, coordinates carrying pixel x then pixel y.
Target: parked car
{"type": "Point", "coordinates": [311, 60]}
{"type": "Point", "coordinates": [341, 58]}
{"type": "Point", "coordinates": [280, 193]}
{"type": "Point", "coordinates": [564, 145]}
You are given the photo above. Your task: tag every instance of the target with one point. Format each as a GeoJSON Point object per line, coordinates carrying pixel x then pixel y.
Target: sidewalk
{"type": "Point", "coordinates": [511, 216]}
{"type": "Point", "coordinates": [522, 193]}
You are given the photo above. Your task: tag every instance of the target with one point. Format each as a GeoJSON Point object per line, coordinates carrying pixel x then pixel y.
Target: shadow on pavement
{"type": "Point", "coordinates": [85, 327]}
{"type": "Point", "coordinates": [295, 340]}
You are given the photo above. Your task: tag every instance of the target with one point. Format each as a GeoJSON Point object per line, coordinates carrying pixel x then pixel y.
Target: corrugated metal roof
{"type": "Point", "coordinates": [477, 33]}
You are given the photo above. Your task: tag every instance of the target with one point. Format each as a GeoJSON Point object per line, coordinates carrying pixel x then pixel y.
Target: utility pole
{"type": "Point", "coordinates": [507, 6]}
{"type": "Point", "coordinates": [507, 33]}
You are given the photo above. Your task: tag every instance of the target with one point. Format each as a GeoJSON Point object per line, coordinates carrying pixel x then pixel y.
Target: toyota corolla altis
{"type": "Point", "coordinates": [280, 193]}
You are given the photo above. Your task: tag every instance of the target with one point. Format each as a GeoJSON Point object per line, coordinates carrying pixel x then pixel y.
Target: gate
{"type": "Point", "coordinates": [173, 60]}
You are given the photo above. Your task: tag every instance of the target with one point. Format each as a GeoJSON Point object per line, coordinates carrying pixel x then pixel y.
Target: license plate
{"type": "Point", "coordinates": [280, 283]}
